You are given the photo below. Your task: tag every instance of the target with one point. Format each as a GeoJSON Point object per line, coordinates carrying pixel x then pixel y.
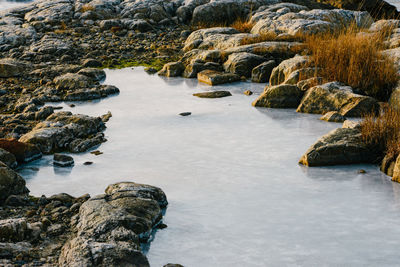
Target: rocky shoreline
{"type": "Point", "coordinates": [54, 50]}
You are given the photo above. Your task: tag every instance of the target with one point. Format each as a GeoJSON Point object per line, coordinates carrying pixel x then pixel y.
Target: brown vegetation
{"type": "Point", "coordinates": [354, 58]}
{"type": "Point", "coordinates": [86, 8]}
{"type": "Point", "coordinates": [242, 25]}
{"type": "Point", "coordinates": [382, 132]}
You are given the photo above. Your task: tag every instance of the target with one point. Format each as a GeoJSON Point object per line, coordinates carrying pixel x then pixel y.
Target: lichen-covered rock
{"type": "Point", "coordinates": [282, 72]}
{"type": "Point", "coordinates": [65, 131]}
{"type": "Point", "coordinates": [10, 183]}
{"type": "Point", "coordinates": [71, 81]}
{"type": "Point", "coordinates": [335, 96]}
{"type": "Point", "coordinates": [280, 96]}
{"type": "Point", "coordinates": [212, 77]}
{"type": "Point", "coordinates": [333, 116]}
{"type": "Point", "coordinates": [340, 146]}
{"type": "Point", "coordinates": [242, 63]}
{"type": "Point", "coordinates": [172, 69]}
{"type": "Point", "coordinates": [262, 72]}
{"type": "Point", "coordinates": [110, 227]}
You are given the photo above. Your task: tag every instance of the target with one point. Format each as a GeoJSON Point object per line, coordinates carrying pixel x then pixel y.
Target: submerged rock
{"type": "Point", "coordinates": [214, 94]}
{"type": "Point", "coordinates": [62, 160]}
{"type": "Point", "coordinates": [340, 146]}
{"type": "Point", "coordinates": [212, 77]}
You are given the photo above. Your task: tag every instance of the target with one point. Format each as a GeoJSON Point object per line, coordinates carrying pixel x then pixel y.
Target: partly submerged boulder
{"type": "Point", "coordinates": [242, 63]}
{"type": "Point", "coordinates": [172, 69]}
{"type": "Point", "coordinates": [333, 116]}
{"type": "Point", "coordinates": [213, 77]}
{"type": "Point", "coordinates": [340, 146]}
{"type": "Point", "coordinates": [262, 72]}
{"type": "Point", "coordinates": [213, 94]}
{"type": "Point", "coordinates": [280, 96]}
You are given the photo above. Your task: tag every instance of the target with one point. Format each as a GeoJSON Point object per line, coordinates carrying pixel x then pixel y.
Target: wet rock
{"type": "Point", "coordinates": [333, 116]}
{"type": "Point", "coordinates": [212, 77]}
{"type": "Point", "coordinates": [11, 68]}
{"type": "Point", "coordinates": [248, 92]}
{"type": "Point", "coordinates": [23, 152]}
{"type": "Point", "coordinates": [98, 92]}
{"type": "Point", "coordinates": [185, 114]}
{"type": "Point", "coordinates": [172, 69]}
{"type": "Point", "coordinates": [106, 117]}
{"type": "Point", "coordinates": [262, 72]}
{"type": "Point", "coordinates": [194, 68]}
{"type": "Point", "coordinates": [94, 74]}
{"type": "Point", "coordinates": [340, 146]}
{"type": "Point", "coordinates": [280, 96]}
{"type": "Point", "coordinates": [337, 97]}
{"type": "Point", "coordinates": [8, 158]}
{"type": "Point", "coordinates": [213, 94]}
{"type": "Point", "coordinates": [111, 225]}
{"type": "Point", "coordinates": [172, 265]}
{"type": "Point", "coordinates": [242, 63]}
{"type": "Point", "coordinates": [72, 81]}
{"type": "Point", "coordinates": [62, 160]}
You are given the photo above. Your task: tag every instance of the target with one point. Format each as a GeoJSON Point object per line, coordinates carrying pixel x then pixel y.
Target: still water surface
{"type": "Point", "coordinates": [237, 195]}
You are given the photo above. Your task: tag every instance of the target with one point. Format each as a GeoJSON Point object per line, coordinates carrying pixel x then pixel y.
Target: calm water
{"type": "Point", "coordinates": [237, 195]}
{"type": "Point", "coordinates": [5, 4]}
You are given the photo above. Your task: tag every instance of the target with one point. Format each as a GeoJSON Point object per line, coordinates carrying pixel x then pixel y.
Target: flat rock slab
{"type": "Point", "coordinates": [212, 77]}
{"type": "Point", "coordinates": [215, 94]}
{"type": "Point", "coordinates": [62, 160]}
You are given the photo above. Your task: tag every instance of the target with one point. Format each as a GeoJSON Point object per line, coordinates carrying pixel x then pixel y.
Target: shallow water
{"type": "Point", "coordinates": [6, 4]}
{"type": "Point", "coordinates": [396, 3]}
{"type": "Point", "coordinates": [237, 195]}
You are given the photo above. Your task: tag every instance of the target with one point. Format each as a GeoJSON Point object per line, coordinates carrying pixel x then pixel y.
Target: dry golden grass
{"type": "Point", "coordinates": [86, 8]}
{"type": "Point", "coordinates": [355, 59]}
{"type": "Point", "coordinates": [242, 25]}
{"type": "Point", "coordinates": [382, 132]}
{"type": "Point", "coordinates": [267, 37]}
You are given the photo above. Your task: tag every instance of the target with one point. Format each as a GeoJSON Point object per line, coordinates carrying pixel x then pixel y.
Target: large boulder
{"type": "Point", "coordinates": [10, 183]}
{"type": "Point", "coordinates": [64, 131]}
{"type": "Point", "coordinates": [262, 72]}
{"type": "Point", "coordinates": [335, 96]}
{"type": "Point", "coordinates": [242, 63]}
{"type": "Point", "coordinates": [172, 69]}
{"type": "Point", "coordinates": [280, 96]}
{"type": "Point", "coordinates": [23, 152]}
{"type": "Point", "coordinates": [13, 230]}
{"type": "Point", "coordinates": [283, 71]}
{"type": "Point", "coordinates": [11, 68]}
{"type": "Point", "coordinates": [71, 81]}
{"type": "Point", "coordinates": [111, 226]}
{"type": "Point", "coordinates": [340, 146]}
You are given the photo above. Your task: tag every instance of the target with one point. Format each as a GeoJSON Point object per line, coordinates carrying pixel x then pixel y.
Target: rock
{"type": "Point", "coordinates": [23, 152]}
{"type": "Point", "coordinates": [8, 158]}
{"type": "Point", "coordinates": [213, 94]}
{"type": "Point", "coordinates": [396, 170]}
{"type": "Point", "coordinates": [13, 230]}
{"type": "Point", "coordinates": [106, 117]}
{"type": "Point", "coordinates": [94, 74]}
{"type": "Point", "coordinates": [11, 68]}
{"type": "Point", "coordinates": [335, 96]}
{"type": "Point", "coordinates": [62, 160]}
{"type": "Point", "coordinates": [340, 146]}
{"type": "Point", "coordinates": [185, 114]}
{"type": "Point", "coordinates": [248, 92]}
{"type": "Point", "coordinates": [262, 72]}
{"type": "Point", "coordinates": [196, 38]}
{"type": "Point", "coordinates": [65, 131]}
{"type": "Point", "coordinates": [172, 69]}
{"type": "Point", "coordinates": [304, 85]}
{"type": "Point", "coordinates": [333, 116]}
{"type": "Point", "coordinates": [88, 163]}
{"type": "Point", "coordinates": [111, 226]}
{"type": "Point", "coordinates": [242, 63]}
{"type": "Point", "coordinates": [10, 183]}
{"type": "Point", "coordinates": [91, 63]}
{"type": "Point", "coordinates": [72, 81]}
{"type": "Point", "coordinates": [282, 72]}
{"type": "Point", "coordinates": [280, 96]}
{"type": "Point", "coordinates": [12, 250]}
{"type": "Point", "coordinates": [394, 99]}
{"type": "Point", "coordinates": [16, 201]}
{"type": "Point", "coordinates": [172, 265]}
{"type": "Point", "coordinates": [212, 77]}
{"type": "Point", "coordinates": [387, 165]}
{"type": "Point", "coordinates": [192, 69]}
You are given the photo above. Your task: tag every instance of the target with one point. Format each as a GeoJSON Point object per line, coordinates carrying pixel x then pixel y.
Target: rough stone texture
{"type": "Point", "coordinates": [8, 158]}
{"type": "Point", "coordinates": [394, 99]}
{"type": "Point", "coordinates": [63, 160]}
{"type": "Point", "coordinates": [214, 94]}
{"type": "Point", "coordinates": [10, 183]}
{"type": "Point", "coordinates": [333, 116]}
{"type": "Point", "coordinates": [212, 77]}
{"type": "Point", "coordinates": [396, 170]}
{"type": "Point", "coordinates": [282, 72]}
{"type": "Point", "coordinates": [72, 81]}
{"type": "Point", "coordinates": [340, 146]}
{"type": "Point", "coordinates": [262, 72]}
{"type": "Point", "coordinates": [111, 226]}
{"type": "Point", "coordinates": [242, 63]}
{"type": "Point", "coordinates": [23, 152]}
{"type": "Point", "coordinates": [11, 68]}
{"type": "Point", "coordinates": [94, 74]}
{"type": "Point", "coordinates": [65, 131]}
{"type": "Point", "coordinates": [13, 230]}
{"type": "Point", "coordinates": [172, 69]}
{"type": "Point", "coordinates": [280, 96]}
{"type": "Point", "coordinates": [337, 97]}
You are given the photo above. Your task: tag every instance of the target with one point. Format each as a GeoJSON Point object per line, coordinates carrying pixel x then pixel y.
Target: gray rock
{"type": "Point", "coordinates": [13, 230]}
{"type": "Point", "coordinates": [12, 250]}
{"type": "Point", "coordinates": [91, 63]}
{"type": "Point", "coordinates": [71, 81]}
{"type": "Point", "coordinates": [11, 68]}
{"type": "Point", "coordinates": [23, 152]}
{"type": "Point", "coordinates": [10, 183]}
{"type": "Point", "coordinates": [8, 158]}
{"type": "Point", "coordinates": [242, 63]}
{"type": "Point", "coordinates": [280, 96]}
{"type": "Point", "coordinates": [340, 146]}
{"type": "Point", "coordinates": [94, 74]}
{"type": "Point", "coordinates": [62, 160]}
{"type": "Point", "coordinates": [283, 71]}
{"type": "Point", "coordinates": [212, 77]}
{"type": "Point", "coordinates": [213, 94]}
{"type": "Point", "coordinates": [333, 116]}
{"type": "Point", "coordinates": [262, 72]}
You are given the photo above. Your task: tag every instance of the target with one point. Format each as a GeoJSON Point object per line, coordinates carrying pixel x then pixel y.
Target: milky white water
{"type": "Point", "coordinates": [237, 195]}
{"type": "Point", "coordinates": [6, 4]}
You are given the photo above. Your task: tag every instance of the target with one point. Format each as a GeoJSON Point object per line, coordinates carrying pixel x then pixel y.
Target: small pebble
{"type": "Point", "coordinates": [185, 113]}
{"type": "Point", "coordinates": [248, 92]}
{"type": "Point", "coordinates": [88, 163]}
{"type": "Point", "coordinates": [96, 152]}
{"type": "Point", "coordinates": [71, 105]}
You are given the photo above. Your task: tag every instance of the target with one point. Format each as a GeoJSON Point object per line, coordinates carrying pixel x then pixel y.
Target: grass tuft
{"type": "Point", "coordinates": [354, 58]}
